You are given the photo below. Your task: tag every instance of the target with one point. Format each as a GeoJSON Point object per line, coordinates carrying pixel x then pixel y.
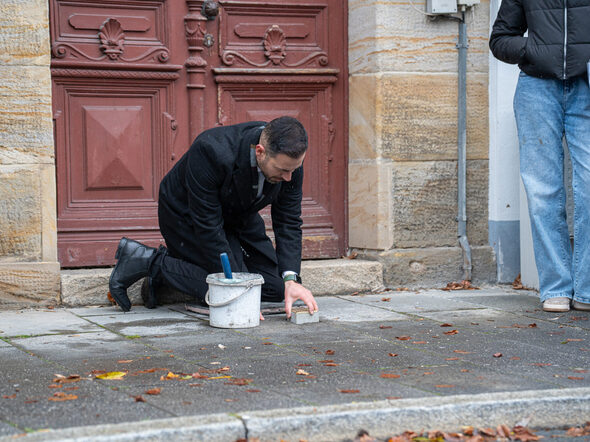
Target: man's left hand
{"type": "Point", "coordinates": [295, 291]}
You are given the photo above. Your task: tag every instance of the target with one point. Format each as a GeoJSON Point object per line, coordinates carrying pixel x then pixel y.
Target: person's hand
{"type": "Point", "coordinates": [295, 291]}
{"type": "Point", "coordinates": [261, 317]}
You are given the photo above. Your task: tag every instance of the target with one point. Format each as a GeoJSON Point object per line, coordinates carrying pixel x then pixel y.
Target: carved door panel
{"type": "Point", "coordinates": [135, 81]}
{"type": "Point", "coordinates": [289, 58]}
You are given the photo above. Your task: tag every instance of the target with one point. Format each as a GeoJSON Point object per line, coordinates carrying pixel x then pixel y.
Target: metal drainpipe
{"type": "Point", "coordinates": [461, 148]}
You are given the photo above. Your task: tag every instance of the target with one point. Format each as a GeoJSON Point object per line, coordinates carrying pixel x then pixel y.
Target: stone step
{"type": "Point", "coordinates": [86, 287]}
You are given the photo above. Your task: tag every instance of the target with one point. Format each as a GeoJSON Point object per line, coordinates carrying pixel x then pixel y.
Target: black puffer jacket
{"type": "Point", "coordinates": [558, 43]}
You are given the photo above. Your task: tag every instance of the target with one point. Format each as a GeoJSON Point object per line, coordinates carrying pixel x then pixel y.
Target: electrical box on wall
{"type": "Point", "coordinates": [467, 3]}
{"type": "Point", "coordinates": [441, 6]}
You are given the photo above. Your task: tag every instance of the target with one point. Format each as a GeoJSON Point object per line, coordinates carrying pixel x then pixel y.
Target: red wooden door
{"type": "Point", "coordinates": [135, 81]}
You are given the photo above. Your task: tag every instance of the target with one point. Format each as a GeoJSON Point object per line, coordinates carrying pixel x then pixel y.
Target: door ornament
{"type": "Point", "coordinates": [275, 50]}
{"type": "Point", "coordinates": [112, 38]}
{"type": "Point", "coordinates": [112, 41]}
{"type": "Point", "coordinates": [275, 44]}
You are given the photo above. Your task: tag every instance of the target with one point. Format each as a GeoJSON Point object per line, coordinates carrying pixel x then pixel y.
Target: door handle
{"type": "Point", "coordinates": [210, 9]}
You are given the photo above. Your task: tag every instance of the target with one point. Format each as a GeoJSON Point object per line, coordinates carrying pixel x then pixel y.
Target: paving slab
{"type": "Point", "coordinates": [348, 309]}
{"type": "Point", "coordinates": [41, 322]}
{"type": "Point", "coordinates": [414, 303]}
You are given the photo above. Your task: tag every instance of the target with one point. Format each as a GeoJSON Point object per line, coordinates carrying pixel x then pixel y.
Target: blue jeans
{"type": "Point", "coordinates": [546, 110]}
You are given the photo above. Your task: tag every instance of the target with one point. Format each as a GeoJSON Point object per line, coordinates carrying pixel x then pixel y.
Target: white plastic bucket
{"type": "Point", "coordinates": [234, 303]}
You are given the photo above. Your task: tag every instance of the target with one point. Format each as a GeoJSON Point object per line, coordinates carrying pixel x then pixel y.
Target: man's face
{"type": "Point", "coordinates": [277, 168]}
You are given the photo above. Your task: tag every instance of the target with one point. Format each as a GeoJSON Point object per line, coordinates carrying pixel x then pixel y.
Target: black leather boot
{"type": "Point", "coordinates": [133, 263]}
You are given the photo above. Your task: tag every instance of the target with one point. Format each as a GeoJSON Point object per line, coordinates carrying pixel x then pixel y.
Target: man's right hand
{"type": "Point", "coordinates": [295, 291]}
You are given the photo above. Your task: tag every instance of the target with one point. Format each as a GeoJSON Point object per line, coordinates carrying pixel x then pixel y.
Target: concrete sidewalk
{"type": "Point", "coordinates": [385, 362]}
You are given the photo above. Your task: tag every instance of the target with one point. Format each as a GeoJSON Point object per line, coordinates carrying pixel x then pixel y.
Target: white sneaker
{"type": "Point", "coordinates": [560, 304]}
{"type": "Point", "coordinates": [584, 306]}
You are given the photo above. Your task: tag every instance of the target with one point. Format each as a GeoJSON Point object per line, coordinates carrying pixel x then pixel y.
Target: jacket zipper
{"type": "Point", "coordinates": [564, 39]}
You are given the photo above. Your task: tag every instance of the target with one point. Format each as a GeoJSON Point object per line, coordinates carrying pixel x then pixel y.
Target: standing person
{"type": "Point", "coordinates": [552, 100]}
{"type": "Point", "coordinates": [208, 204]}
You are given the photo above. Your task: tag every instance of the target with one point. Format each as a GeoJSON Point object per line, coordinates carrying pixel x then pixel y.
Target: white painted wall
{"type": "Point", "coordinates": [507, 200]}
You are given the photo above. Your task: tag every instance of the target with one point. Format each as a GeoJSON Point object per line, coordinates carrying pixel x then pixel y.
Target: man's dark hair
{"type": "Point", "coordinates": [285, 135]}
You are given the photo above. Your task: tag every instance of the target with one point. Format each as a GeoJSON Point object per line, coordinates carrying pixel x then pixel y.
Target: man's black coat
{"type": "Point", "coordinates": [211, 194]}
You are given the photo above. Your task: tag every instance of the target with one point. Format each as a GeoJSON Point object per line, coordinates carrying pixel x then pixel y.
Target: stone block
{"type": "Point", "coordinates": [24, 32]}
{"type": "Point", "coordinates": [26, 127]}
{"type": "Point", "coordinates": [29, 284]}
{"type": "Point", "coordinates": [20, 205]}
{"type": "Point", "coordinates": [425, 203]}
{"type": "Point", "coordinates": [419, 117]}
{"type": "Point", "coordinates": [391, 35]}
{"type": "Point", "coordinates": [300, 316]}
{"type": "Point", "coordinates": [433, 267]}
{"type": "Point", "coordinates": [90, 287]}
{"type": "Point", "coordinates": [365, 116]}
{"type": "Point", "coordinates": [370, 205]}
{"type": "Point", "coordinates": [332, 277]}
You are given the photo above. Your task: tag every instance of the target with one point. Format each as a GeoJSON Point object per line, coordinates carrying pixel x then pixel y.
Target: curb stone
{"type": "Point", "coordinates": [539, 408]}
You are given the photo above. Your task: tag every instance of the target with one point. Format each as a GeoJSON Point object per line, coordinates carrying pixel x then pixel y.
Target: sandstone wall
{"type": "Point", "coordinates": [29, 271]}
{"type": "Point", "coordinates": [403, 141]}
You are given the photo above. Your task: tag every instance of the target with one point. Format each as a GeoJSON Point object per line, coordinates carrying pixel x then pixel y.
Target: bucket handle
{"type": "Point", "coordinates": [249, 285]}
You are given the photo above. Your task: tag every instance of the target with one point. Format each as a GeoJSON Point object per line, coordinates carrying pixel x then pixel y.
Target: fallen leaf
{"type": "Point", "coordinates": [238, 381]}
{"type": "Point", "coordinates": [60, 379]}
{"type": "Point", "coordinates": [199, 376]}
{"type": "Point", "coordinates": [385, 299]}
{"type": "Point", "coordinates": [138, 399]}
{"type": "Point", "coordinates": [55, 386]}
{"type": "Point", "coordinates": [229, 400]}
{"type": "Point", "coordinates": [419, 342]}
{"type": "Point", "coordinates": [451, 359]}
{"type": "Point", "coordinates": [153, 391]}
{"type": "Point", "coordinates": [541, 364]}
{"type": "Point", "coordinates": [446, 325]}
{"type": "Point", "coordinates": [426, 373]}
{"type": "Point", "coordinates": [576, 378]}
{"type": "Point", "coordinates": [253, 390]}
{"type": "Point", "coordinates": [451, 332]}
{"type": "Point", "coordinates": [393, 354]}
{"type": "Point", "coordinates": [149, 370]}
{"type": "Point", "coordinates": [353, 255]}
{"type": "Point", "coordinates": [463, 352]}
{"type": "Point", "coordinates": [330, 352]}
{"type": "Point", "coordinates": [385, 326]}
{"type": "Point", "coordinates": [302, 372]}
{"type": "Point", "coordinates": [71, 388]}
{"type": "Point", "coordinates": [126, 361]}
{"type": "Point", "coordinates": [60, 397]}
{"type": "Point", "coordinates": [331, 364]}
{"type": "Point", "coordinates": [403, 338]}
{"type": "Point", "coordinates": [573, 340]}
{"type": "Point", "coordinates": [444, 386]}
{"type": "Point", "coordinates": [579, 431]}
{"type": "Point", "coordinates": [220, 377]}
{"type": "Point", "coordinates": [503, 431]}
{"type": "Point", "coordinates": [195, 385]}
{"type": "Point", "coordinates": [497, 355]}
{"type": "Point", "coordinates": [12, 396]}
{"type": "Point", "coordinates": [580, 370]}
{"type": "Point", "coordinates": [111, 299]}
{"type": "Point", "coordinates": [533, 325]}
{"type": "Point", "coordinates": [389, 375]}
{"type": "Point", "coordinates": [524, 434]}
{"type": "Point", "coordinates": [515, 358]}
{"type": "Point", "coordinates": [267, 343]}
{"type": "Point", "coordinates": [112, 375]}
{"type": "Point", "coordinates": [490, 432]}
{"type": "Point", "coordinates": [325, 361]}
{"type": "Point", "coordinates": [463, 285]}
{"type": "Point", "coordinates": [349, 391]}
